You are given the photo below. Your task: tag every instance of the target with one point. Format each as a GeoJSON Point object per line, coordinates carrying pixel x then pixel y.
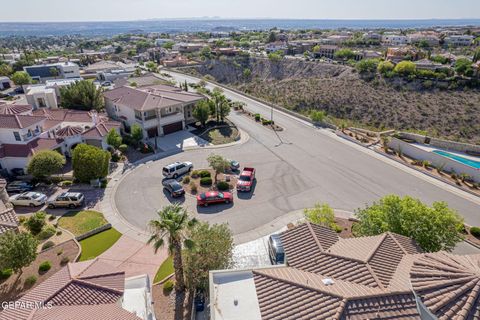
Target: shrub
{"type": "Point", "coordinates": [59, 232]}
{"type": "Point", "coordinates": [186, 179]}
{"type": "Point", "coordinates": [5, 274]}
{"type": "Point", "coordinates": [45, 163]}
{"type": "Point", "coordinates": [46, 233]}
{"type": "Point", "coordinates": [115, 157]}
{"type": "Point", "coordinates": [337, 228]}
{"type": "Point", "coordinates": [90, 163]}
{"type": "Point", "coordinates": [66, 183]}
{"type": "Point", "coordinates": [257, 116]}
{"type": "Point", "coordinates": [475, 231]}
{"type": "Point", "coordinates": [44, 266]}
{"type": "Point", "coordinates": [22, 220]}
{"type": "Point", "coordinates": [193, 187]}
{"type": "Point", "coordinates": [123, 148]}
{"type": "Point", "coordinates": [195, 174]}
{"type": "Point", "coordinates": [59, 252]}
{"type": "Point", "coordinates": [205, 174]}
{"type": "Point", "coordinates": [64, 260]}
{"type": "Point", "coordinates": [426, 163]}
{"type": "Point", "coordinates": [47, 245]}
{"type": "Point", "coordinates": [207, 181]}
{"type": "Point", "coordinates": [222, 185]}
{"type": "Point", "coordinates": [103, 184]}
{"type": "Point", "coordinates": [168, 286]}
{"type": "Point", "coordinates": [51, 217]}
{"type": "Point", "coordinates": [30, 281]}
{"type": "Point", "coordinates": [36, 222]}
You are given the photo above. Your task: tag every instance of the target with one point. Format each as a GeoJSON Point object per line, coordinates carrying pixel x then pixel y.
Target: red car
{"type": "Point", "coordinates": [212, 197]}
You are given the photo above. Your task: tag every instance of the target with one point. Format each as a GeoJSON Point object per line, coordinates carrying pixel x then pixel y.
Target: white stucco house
{"type": "Point", "coordinates": [24, 132]}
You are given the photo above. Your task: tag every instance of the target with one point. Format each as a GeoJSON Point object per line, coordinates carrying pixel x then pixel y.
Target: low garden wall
{"type": "Point", "coordinates": [93, 232]}
{"type": "Point", "coordinates": [437, 160]}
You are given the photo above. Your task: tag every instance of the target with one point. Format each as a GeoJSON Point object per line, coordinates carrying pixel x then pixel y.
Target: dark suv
{"type": "Point", "coordinates": [275, 250]}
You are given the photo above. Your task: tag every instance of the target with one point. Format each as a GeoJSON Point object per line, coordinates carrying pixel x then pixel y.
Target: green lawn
{"type": "Point", "coordinates": [165, 270]}
{"type": "Point", "coordinates": [95, 245]}
{"type": "Point", "coordinates": [80, 222]}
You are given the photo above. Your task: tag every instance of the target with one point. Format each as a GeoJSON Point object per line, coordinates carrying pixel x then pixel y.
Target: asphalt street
{"type": "Point", "coordinates": [295, 169]}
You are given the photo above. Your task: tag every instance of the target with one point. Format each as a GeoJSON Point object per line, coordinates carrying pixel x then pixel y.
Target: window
{"type": "Point", "coordinates": [17, 136]}
{"type": "Point", "coordinates": [189, 114]}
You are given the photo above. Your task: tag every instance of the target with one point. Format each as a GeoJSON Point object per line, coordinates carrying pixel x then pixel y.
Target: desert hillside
{"type": "Point", "coordinates": [300, 85]}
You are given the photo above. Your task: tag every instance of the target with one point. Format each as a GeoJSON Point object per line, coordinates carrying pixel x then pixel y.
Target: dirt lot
{"type": "Point", "coordinates": [170, 307]}
{"type": "Point", "coordinates": [13, 287]}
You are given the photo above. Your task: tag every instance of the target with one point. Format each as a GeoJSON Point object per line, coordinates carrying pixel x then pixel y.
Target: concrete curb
{"type": "Point", "coordinates": [279, 223]}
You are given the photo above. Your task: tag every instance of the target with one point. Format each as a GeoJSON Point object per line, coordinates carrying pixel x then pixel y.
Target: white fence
{"type": "Point", "coordinates": [437, 160]}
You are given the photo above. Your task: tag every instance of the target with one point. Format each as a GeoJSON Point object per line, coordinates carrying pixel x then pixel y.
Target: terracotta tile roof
{"type": "Point", "coordinates": [370, 261]}
{"type": "Point", "coordinates": [288, 293]}
{"type": "Point", "coordinates": [68, 131]}
{"type": "Point", "coordinates": [8, 220]}
{"type": "Point", "coordinates": [101, 129]}
{"type": "Point", "coordinates": [307, 240]}
{"type": "Point", "coordinates": [65, 115]}
{"type": "Point", "coordinates": [449, 285]}
{"type": "Point", "coordinates": [104, 311]}
{"type": "Point", "coordinates": [151, 97]}
{"type": "Point", "coordinates": [15, 108]}
{"type": "Point", "coordinates": [26, 150]}
{"type": "Point", "coordinates": [79, 284]}
{"type": "Point", "coordinates": [18, 121]}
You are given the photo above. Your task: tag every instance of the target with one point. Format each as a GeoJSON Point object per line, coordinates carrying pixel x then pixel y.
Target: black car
{"type": "Point", "coordinates": [19, 187]}
{"type": "Point", "coordinates": [174, 187]}
{"type": "Point", "coordinates": [199, 302]}
{"type": "Point", "coordinates": [275, 250]}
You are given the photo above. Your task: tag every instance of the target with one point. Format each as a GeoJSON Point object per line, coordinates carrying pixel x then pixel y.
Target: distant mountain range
{"type": "Point", "coordinates": [111, 28]}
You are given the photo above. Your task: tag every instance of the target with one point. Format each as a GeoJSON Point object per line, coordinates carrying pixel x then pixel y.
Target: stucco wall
{"type": "Point", "coordinates": [443, 144]}
{"type": "Point", "coordinates": [414, 152]}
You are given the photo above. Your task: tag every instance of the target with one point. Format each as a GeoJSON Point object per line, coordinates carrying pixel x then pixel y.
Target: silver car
{"type": "Point", "coordinates": [67, 200]}
{"type": "Point", "coordinates": [176, 169]}
{"type": "Point", "coordinates": [32, 199]}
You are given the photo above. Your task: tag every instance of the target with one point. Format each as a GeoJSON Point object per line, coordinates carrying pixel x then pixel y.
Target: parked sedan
{"type": "Point", "coordinates": [19, 187]}
{"type": "Point", "coordinates": [32, 199]}
{"type": "Point", "coordinates": [234, 165]}
{"type": "Point", "coordinates": [212, 197]}
{"type": "Point", "coordinates": [174, 187]}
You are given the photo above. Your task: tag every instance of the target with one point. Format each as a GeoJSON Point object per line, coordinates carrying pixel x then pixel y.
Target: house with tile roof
{"type": "Point", "coordinates": [85, 290]}
{"type": "Point", "coordinates": [24, 132]}
{"type": "Point", "coordinates": [158, 109]}
{"type": "Point", "coordinates": [328, 277]}
{"type": "Point", "coordinates": [8, 217]}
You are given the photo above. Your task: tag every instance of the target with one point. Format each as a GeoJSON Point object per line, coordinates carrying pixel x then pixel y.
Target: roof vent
{"type": "Point", "coordinates": [328, 281]}
{"type": "Point", "coordinates": [235, 302]}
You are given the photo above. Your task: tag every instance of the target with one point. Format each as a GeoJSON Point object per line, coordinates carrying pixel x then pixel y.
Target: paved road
{"type": "Point", "coordinates": [296, 168]}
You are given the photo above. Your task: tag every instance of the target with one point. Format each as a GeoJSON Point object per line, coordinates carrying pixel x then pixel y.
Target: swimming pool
{"type": "Point", "coordinates": [468, 162]}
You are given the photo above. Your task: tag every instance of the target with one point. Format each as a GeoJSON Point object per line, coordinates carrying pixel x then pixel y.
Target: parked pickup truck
{"type": "Point", "coordinates": [245, 180]}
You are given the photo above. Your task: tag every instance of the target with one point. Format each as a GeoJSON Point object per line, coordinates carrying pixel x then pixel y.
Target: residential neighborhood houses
{"type": "Point", "coordinates": [152, 190]}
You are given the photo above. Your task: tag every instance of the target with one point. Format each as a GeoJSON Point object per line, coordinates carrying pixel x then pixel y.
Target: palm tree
{"type": "Point", "coordinates": [172, 226]}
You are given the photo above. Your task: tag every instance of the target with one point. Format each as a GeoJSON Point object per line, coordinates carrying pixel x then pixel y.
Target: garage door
{"type": "Point", "coordinates": [173, 127]}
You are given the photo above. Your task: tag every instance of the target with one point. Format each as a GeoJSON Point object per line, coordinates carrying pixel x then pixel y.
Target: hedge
{"type": "Point", "coordinates": [207, 181]}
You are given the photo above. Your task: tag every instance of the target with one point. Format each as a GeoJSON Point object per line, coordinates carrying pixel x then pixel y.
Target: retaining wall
{"type": "Point", "coordinates": [443, 144]}
{"type": "Point", "coordinates": [93, 232]}
{"type": "Point", "coordinates": [437, 160]}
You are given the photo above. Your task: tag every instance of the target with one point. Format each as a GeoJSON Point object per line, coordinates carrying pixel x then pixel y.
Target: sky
{"type": "Point", "coordinates": [120, 10]}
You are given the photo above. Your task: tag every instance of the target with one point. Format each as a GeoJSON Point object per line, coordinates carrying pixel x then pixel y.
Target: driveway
{"type": "Point", "coordinates": [295, 169]}
{"type": "Point", "coordinates": [134, 257]}
{"type": "Point", "coordinates": [179, 141]}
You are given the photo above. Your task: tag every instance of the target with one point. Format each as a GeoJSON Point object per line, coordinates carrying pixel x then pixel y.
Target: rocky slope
{"type": "Point", "coordinates": [300, 86]}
